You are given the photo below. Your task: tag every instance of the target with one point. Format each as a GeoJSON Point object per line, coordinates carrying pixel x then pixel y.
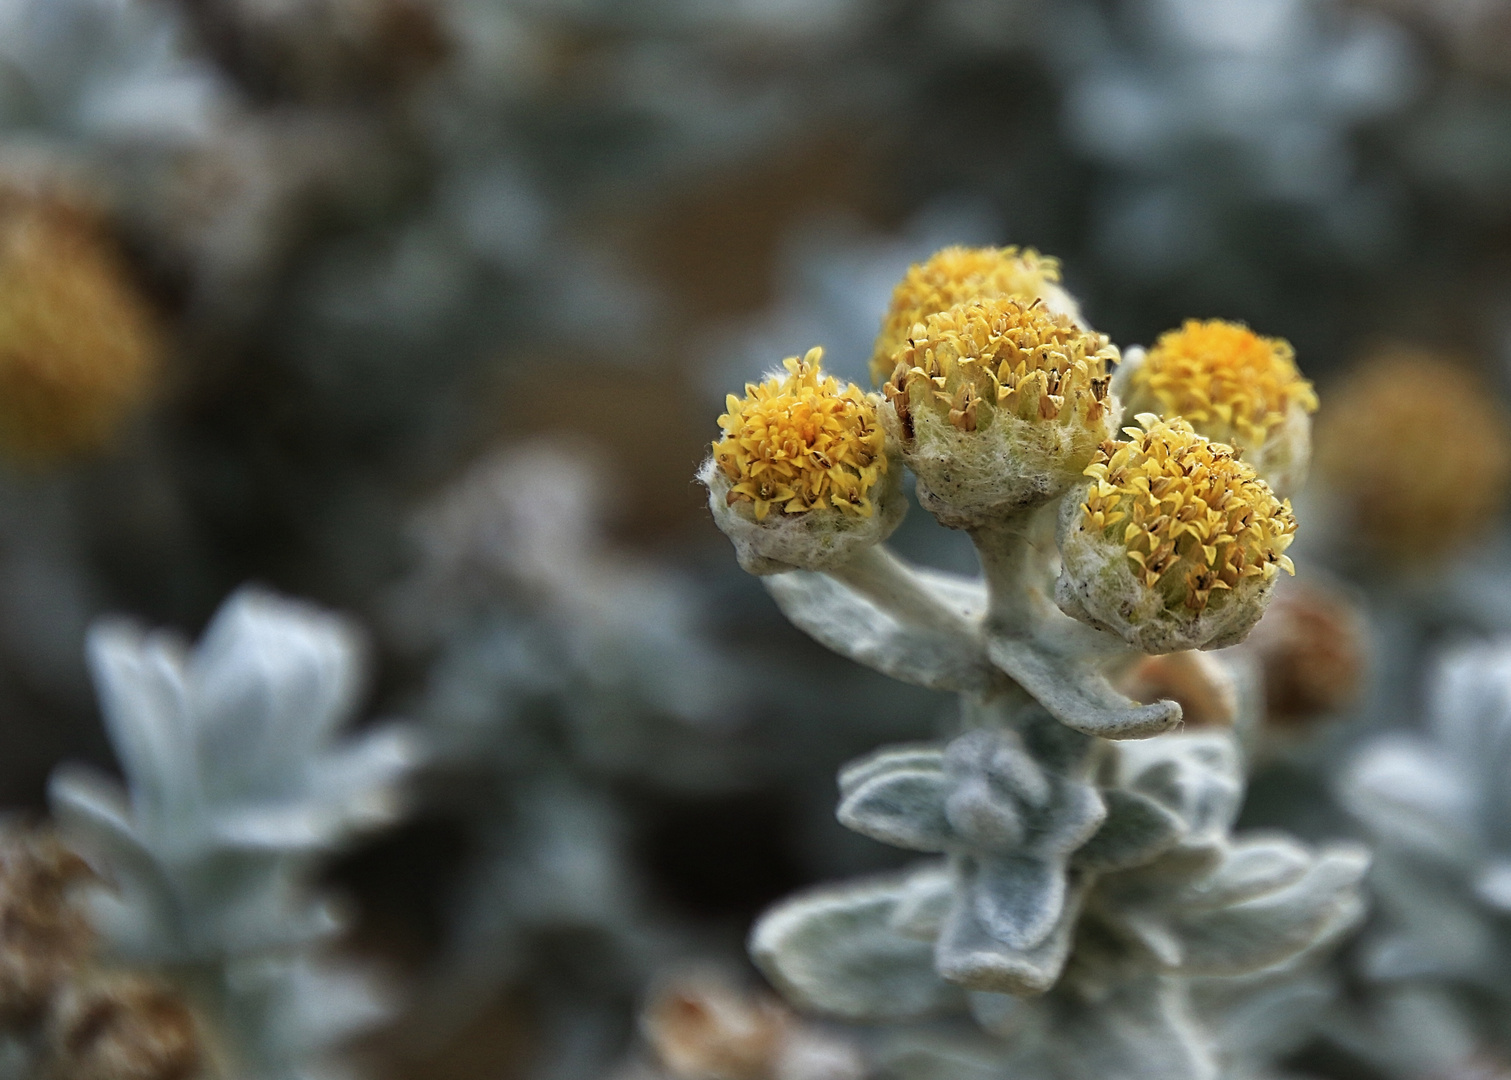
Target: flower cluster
{"type": "Point", "coordinates": [997, 404]}
{"type": "Point", "coordinates": [1194, 518]}
{"type": "Point", "coordinates": [1086, 889]}
{"type": "Point", "coordinates": [1231, 384]}
{"type": "Point", "coordinates": [1416, 456]}
{"type": "Point", "coordinates": [956, 275]}
{"type": "Point", "coordinates": [78, 345]}
{"type": "Point", "coordinates": [1002, 353]}
{"type": "Point", "coordinates": [802, 443]}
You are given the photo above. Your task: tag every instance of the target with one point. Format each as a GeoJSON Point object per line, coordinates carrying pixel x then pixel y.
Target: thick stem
{"type": "Point", "coordinates": [897, 588]}
{"type": "Point", "coordinates": [1021, 561]}
{"type": "Point", "coordinates": [1019, 558]}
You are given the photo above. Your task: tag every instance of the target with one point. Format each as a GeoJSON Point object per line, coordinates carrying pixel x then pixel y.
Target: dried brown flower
{"type": "Point", "coordinates": [1311, 649]}
{"type": "Point", "coordinates": [704, 1029]}
{"type": "Point", "coordinates": [1196, 680]}
{"type": "Point", "coordinates": [122, 1027]}
{"type": "Point", "coordinates": [43, 938]}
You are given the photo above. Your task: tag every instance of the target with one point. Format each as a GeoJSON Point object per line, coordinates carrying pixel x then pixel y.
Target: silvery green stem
{"type": "Point", "coordinates": [1020, 562]}
{"type": "Point", "coordinates": [1018, 557]}
{"type": "Point", "coordinates": [1061, 662]}
{"type": "Point", "coordinates": [939, 630]}
{"type": "Point", "coordinates": [897, 588]}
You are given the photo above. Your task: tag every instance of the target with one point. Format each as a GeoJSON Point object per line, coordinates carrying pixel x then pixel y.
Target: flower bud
{"type": "Point", "coordinates": [79, 347]}
{"type": "Point", "coordinates": [1201, 684]}
{"type": "Point", "coordinates": [1311, 649]}
{"type": "Point", "coordinates": [1175, 542]}
{"type": "Point", "coordinates": [801, 478]}
{"type": "Point", "coordinates": [1232, 386]}
{"type": "Point", "coordinates": [1414, 457]}
{"type": "Point", "coordinates": [956, 275]}
{"type": "Point", "coordinates": [998, 405]}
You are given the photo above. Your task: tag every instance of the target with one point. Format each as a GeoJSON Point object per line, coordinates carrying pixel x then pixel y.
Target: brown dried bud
{"type": "Point", "coordinates": [1310, 647]}
{"type": "Point", "coordinates": [43, 938]}
{"type": "Point", "coordinates": [704, 1029]}
{"type": "Point", "coordinates": [1198, 681]}
{"type": "Point", "coordinates": [122, 1027]}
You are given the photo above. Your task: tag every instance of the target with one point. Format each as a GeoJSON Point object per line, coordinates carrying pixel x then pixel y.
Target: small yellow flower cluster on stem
{"type": "Point", "coordinates": [1230, 383]}
{"type": "Point", "coordinates": [801, 442]}
{"type": "Point", "coordinates": [953, 276]}
{"type": "Point", "coordinates": [1193, 517]}
{"type": "Point", "coordinates": [1006, 353]}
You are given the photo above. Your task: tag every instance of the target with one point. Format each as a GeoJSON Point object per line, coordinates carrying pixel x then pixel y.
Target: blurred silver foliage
{"type": "Point", "coordinates": [1433, 805]}
{"type": "Point", "coordinates": [558, 663]}
{"type": "Point", "coordinates": [236, 786]}
{"type": "Point", "coordinates": [1211, 114]}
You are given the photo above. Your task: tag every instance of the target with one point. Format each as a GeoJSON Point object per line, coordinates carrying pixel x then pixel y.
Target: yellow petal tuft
{"type": "Point", "coordinates": [1231, 384]}
{"type": "Point", "coordinates": [1005, 353]}
{"type": "Point", "coordinates": [1201, 519]}
{"type": "Point", "coordinates": [801, 441]}
{"type": "Point", "coordinates": [953, 276]}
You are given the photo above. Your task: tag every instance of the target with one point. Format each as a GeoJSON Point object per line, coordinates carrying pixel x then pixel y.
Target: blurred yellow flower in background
{"type": "Point", "coordinates": [79, 346]}
{"type": "Point", "coordinates": [1415, 452]}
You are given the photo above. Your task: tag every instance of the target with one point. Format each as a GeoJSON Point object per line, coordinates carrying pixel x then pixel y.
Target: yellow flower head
{"type": "Point", "coordinates": [1193, 518]}
{"type": "Point", "coordinates": [954, 276]}
{"type": "Point", "coordinates": [1416, 454]}
{"type": "Point", "coordinates": [1002, 354]}
{"type": "Point", "coordinates": [802, 442]}
{"type": "Point", "coordinates": [1231, 384]}
{"type": "Point", "coordinates": [79, 347]}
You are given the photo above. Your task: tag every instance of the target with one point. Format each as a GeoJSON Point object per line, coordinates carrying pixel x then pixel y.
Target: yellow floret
{"type": "Point", "coordinates": [953, 276]}
{"type": "Point", "coordinates": [1003, 353]}
{"type": "Point", "coordinates": [79, 347]}
{"type": "Point", "coordinates": [1230, 383]}
{"type": "Point", "coordinates": [802, 442]}
{"type": "Point", "coordinates": [1193, 518]}
{"type": "Point", "coordinates": [1416, 454]}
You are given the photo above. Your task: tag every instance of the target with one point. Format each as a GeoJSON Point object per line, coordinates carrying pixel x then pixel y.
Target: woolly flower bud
{"type": "Point", "coordinates": [956, 275]}
{"type": "Point", "coordinates": [78, 346]}
{"type": "Point", "coordinates": [801, 477]}
{"type": "Point", "coordinates": [997, 405]}
{"type": "Point", "coordinates": [1174, 544]}
{"type": "Point", "coordinates": [1415, 455]}
{"type": "Point", "coordinates": [1234, 387]}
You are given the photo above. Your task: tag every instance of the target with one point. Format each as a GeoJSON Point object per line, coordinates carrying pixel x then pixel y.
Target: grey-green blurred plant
{"type": "Point", "coordinates": [237, 784]}
{"type": "Point", "coordinates": [1434, 957]}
